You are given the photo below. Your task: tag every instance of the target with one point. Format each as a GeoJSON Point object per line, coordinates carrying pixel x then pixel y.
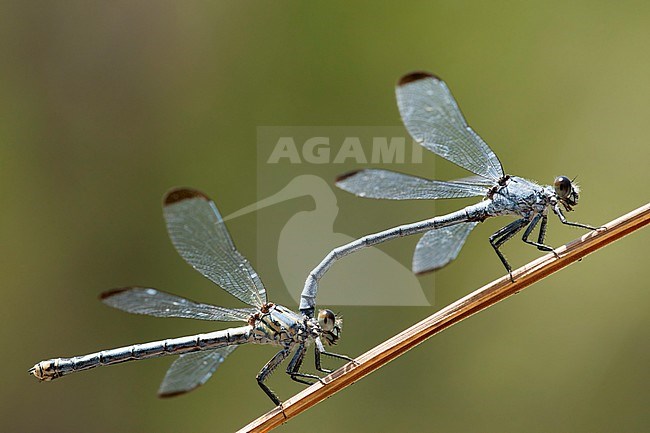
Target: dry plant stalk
{"type": "Point", "coordinates": [482, 298]}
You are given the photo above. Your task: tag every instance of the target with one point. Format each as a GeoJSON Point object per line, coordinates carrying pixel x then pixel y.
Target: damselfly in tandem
{"type": "Point", "coordinates": [200, 236]}
{"type": "Point", "coordinates": [434, 120]}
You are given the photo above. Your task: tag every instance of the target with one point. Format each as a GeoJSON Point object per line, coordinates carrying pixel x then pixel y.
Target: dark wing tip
{"type": "Point", "coordinates": [419, 273]}
{"type": "Point", "coordinates": [112, 292]}
{"type": "Point", "coordinates": [175, 393]}
{"type": "Point", "coordinates": [179, 194]}
{"type": "Point", "coordinates": [416, 76]}
{"type": "Point", "coordinates": [425, 271]}
{"type": "Point", "coordinates": [344, 176]}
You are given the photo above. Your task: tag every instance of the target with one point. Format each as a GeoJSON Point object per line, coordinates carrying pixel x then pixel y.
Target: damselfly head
{"type": "Point", "coordinates": [567, 191]}
{"type": "Point", "coordinates": [330, 325]}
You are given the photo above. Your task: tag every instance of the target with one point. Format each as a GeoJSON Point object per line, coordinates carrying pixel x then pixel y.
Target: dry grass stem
{"type": "Point", "coordinates": [473, 303]}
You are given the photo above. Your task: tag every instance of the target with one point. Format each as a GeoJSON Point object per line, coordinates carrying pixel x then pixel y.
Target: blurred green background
{"type": "Point", "coordinates": [106, 105]}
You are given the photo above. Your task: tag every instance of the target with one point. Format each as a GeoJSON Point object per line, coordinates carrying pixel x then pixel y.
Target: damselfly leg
{"type": "Point", "coordinates": [542, 233]}
{"type": "Point", "coordinates": [268, 369]}
{"type": "Point", "coordinates": [503, 235]}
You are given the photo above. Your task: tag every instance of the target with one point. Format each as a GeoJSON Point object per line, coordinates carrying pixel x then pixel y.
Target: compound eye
{"type": "Point", "coordinates": [562, 186]}
{"type": "Point", "coordinates": [326, 320]}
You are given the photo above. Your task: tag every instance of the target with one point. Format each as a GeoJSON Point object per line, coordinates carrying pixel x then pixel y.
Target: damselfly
{"type": "Point", "coordinates": [200, 236]}
{"type": "Point", "coordinates": [434, 120]}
